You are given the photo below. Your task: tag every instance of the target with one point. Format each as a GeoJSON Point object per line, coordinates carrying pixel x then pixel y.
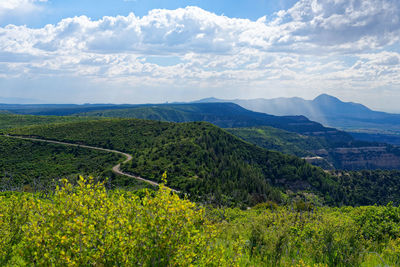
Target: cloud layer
{"type": "Point", "coordinates": [317, 45]}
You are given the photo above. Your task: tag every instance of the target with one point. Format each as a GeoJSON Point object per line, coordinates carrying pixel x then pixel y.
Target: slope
{"type": "Point", "coordinates": [202, 160]}
{"type": "Point", "coordinates": [225, 115]}
{"type": "Point", "coordinates": [280, 140]}
{"type": "Point", "coordinates": [324, 109]}
{"type": "Point", "coordinates": [337, 148]}
{"type": "Point", "coordinates": [33, 164]}
{"type": "Point", "coordinates": [14, 121]}
{"type": "Point", "coordinates": [356, 156]}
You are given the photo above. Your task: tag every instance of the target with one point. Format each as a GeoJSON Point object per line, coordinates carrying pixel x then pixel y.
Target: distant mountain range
{"type": "Point", "coordinates": [331, 112]}
{"type": "Point", "coordinates": [225, 115]}
{"type": "Point", "coordinates": [337, 147]}
{"type": "Point", "coordinates": [324, 109]}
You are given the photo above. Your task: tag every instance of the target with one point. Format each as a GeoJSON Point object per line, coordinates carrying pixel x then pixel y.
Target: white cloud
{"type": "Point", "coordinates": [19, 6]}
{"type": "Point", "coordinates": [303, 47]}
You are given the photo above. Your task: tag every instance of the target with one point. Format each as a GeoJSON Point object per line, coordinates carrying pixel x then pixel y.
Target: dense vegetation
{"type": "Point", "coordinates": [14, 121]}
{"type": "Point", "coordinates": [280, 140]}
{"type": "Point", "coordinates": [201, 159]}
{"type": "Point", "coordinates": [330, 156]}
{"type": "Point", "coordinates": [27, 164]}
{"type": "Point", "coordinates": [365, 187]}
{"type": "Point", "coordinates": [389, 138]}
{"type": "Point", "coordinates": [212, 165]}
{"type": "Point", "coordinates": [298, 235]}
{"type": "Point", "coordinates": [85, 225]}
{"type": "Point", "coordinates": [226, 115]}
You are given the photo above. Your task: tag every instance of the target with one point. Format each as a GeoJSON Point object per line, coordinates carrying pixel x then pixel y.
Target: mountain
{"type": "Point", "coordinates": [201, 159]}
{"type": "Point", "coordinates": [206, 162]}
{"type": "Point", "coordinates": [339, 148]}
{"type": "Point", "coordinates": [225, 115]}
{"type": "Point", "coordinates": [332, 112]}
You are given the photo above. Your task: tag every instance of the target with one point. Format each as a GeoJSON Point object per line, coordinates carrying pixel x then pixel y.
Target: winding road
{"type": "Point", "coordinates": [116, 169]}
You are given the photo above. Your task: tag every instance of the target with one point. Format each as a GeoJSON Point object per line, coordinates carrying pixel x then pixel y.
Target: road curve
{"type": "Point", "coordinates": [116, 169]}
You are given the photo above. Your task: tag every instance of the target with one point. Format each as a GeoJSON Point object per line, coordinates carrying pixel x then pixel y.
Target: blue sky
{"type": "Point", "coordinates": [147, 51]}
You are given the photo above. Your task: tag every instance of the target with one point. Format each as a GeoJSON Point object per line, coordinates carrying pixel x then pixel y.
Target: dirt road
{"type": "Point", "coordinates": [116, 169]}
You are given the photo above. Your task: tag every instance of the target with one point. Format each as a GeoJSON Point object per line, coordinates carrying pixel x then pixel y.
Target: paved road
{"type": "Point", "coordinates": [116, 169]}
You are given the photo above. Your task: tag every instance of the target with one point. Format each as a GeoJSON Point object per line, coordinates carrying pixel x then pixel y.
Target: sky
{"type": "Point", "coordinates": [156, 51]}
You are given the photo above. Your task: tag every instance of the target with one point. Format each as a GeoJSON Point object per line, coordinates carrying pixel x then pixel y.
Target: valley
{"type": "Point", "coordinates": [200, 133]}
{"type": "Point", "coordinates": [243, 177]}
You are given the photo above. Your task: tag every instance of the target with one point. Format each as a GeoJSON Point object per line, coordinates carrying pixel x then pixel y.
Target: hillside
{"type": "Point", "coordinates": [337, 148]}
{"type": "Point", "coordinates": [329, 111]}
{"type": "Point", "coordinates": [34, 164]}
{"type": "Point", "coordinates": [280, 140]}
{"type": "Point", "coordinates": [221, 114]}
{"type": "Point", "coordinates": [319, 152]}
{"type": "Point", "coordinates": [225, 115]}
{"type": "Point", "coordinates": [200, 159]}
{"type": "Point", "coordinates": [365, 187]}
{"type": "Point", "coordinates": [14, 121]}
{"type": "Point", "coordinates": [211, 164]}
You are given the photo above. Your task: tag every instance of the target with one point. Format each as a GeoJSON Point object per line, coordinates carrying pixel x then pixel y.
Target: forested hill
{"type": "Point", "coordinates": [13, 121]}
{"type": "Point", "coordinates": [337, 148]}
{"type": "Point", "coordinates": [225, 115]}
{"type": "Point", "coordinates": [200, 159]}
{"type": "Point", "coordinates": [213, 165]}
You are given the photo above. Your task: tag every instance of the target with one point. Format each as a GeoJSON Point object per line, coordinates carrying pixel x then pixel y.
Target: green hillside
{"type": "Point", "coordinates": [306, 138]}
{"type": "Point", "coordinates": [14, 121]}
{"type": "Point", "coordinates": [212, 165]}
{"type": "Point", "coordinates": [200, 159]}
{"type": "Point", "coordinates": [366, 187]}
{"type": "Point", "coordinates": [225, 115]}
{"type": "Point", "coordinates": [24, 163]}
{"type": "Point", "coordinates": [280, 140]}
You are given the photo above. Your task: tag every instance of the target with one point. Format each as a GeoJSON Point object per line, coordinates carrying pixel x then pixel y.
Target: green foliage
{"type": "Point", "coordinates": [202, 160]}
{"type": "Point", "coordinates": [225, 115]}
{"type": "Point", "coordinates": [14, 121]}
{"type": "Point", "coordinates": [370, 187]}
{"type": "Point", "coordinates": [85, 225]}
{"type": "Point", "coordinates": [280, 140]}
{"type": "Point", "coordinates": [283, 236]}
{"type": "Point", "coordinates": [32, 165]}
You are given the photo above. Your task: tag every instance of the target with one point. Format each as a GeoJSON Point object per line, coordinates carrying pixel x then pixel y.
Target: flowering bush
{"type": "Point", "coordinates": [85, 225]}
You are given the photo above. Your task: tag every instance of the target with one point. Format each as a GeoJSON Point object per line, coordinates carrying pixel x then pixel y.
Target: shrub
{"type": "Point", "coordinates": [85, 225]}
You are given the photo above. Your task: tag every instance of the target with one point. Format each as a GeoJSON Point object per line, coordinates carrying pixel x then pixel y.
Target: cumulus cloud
{"type": "Point", "coordinates": [305, 45]}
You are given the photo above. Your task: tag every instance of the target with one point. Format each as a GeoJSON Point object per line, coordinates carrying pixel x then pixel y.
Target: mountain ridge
{"type": "Point", "coordinates": [325, 109]}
